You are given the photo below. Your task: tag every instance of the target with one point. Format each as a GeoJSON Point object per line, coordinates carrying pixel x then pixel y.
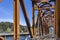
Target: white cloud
{"type": "Point", "coordinates": [23, 23]}
{"type": "Point", "coordinates": [11, 20]}
{"type": "Point", "coordinates": [6, 20]}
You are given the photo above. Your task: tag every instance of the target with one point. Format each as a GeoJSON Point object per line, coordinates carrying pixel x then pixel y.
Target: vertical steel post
{"type": "Point", "coordinates": [57, 17]}
{"type": "Point", "coordinates": [16, 20]}
{"type": "Point", "coordinates": [43, 26]}
{"type": "Point", "coordinates": [37, 21]}
{"type": "Point", "coordinates": [33, 18]}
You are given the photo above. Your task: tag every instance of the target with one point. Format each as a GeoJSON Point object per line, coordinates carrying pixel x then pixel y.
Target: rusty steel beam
{"type": "Point", "coordinates": [44, 0]}
{"type": "Point", "coordinates": [36, 22]}
{"type": "Point", "coordinates": [26, 17]}
{"type": "Point", "coordinates": [43, 26]}
{"type": "Point", "coordinates": [38, 18]}
{"type": "Point", "coordinates": [16, 20]}
{"type": "Point", "coordinates": [33, 19]}
{"type": "Point", "coordinates": [57, 17]}
{"type": "Point", "coordinates": [47, 7]}
{"type": "Point", "coordinates": [47, 28]}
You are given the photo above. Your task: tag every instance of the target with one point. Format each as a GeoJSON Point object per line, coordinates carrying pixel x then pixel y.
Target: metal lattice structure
{"type": "Point", "coordinates": [46, 18]}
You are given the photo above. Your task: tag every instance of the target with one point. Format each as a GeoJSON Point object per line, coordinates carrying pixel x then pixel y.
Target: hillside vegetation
{"type": "Point", "coordinates": [7, 27]}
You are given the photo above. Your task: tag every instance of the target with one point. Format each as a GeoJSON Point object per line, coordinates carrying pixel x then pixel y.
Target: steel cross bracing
{"type": "Point", "coordinates": [45, 17]}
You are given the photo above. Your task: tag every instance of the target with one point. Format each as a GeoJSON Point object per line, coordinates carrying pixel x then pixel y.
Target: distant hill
{"type": "Point", "coordinates": [8, 27]}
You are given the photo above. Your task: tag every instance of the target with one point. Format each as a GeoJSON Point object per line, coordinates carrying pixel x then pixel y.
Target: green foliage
{"type": "Point", "coordinates": [8, 27]}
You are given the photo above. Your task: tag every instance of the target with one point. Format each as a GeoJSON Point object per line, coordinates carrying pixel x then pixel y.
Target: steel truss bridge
{"type": "Point", "coordinates": [48, 17]}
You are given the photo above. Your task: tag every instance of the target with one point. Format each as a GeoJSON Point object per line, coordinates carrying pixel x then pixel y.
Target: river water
{"type": "Point", "coordinates": [21, 37]}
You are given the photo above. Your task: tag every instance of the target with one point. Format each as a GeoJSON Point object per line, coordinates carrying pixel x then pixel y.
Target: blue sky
{"type": "Point", "coordinates": [6, 11]}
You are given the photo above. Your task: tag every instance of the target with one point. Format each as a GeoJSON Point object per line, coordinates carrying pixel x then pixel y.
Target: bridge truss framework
{"type": "Point", "coordinates": [36, 5]}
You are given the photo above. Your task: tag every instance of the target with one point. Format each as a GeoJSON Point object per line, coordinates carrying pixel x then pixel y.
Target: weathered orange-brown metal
{"type": "Point", "coordinates": [38, 16]}
{"type": "Point", "coordinates": [26, 17]}
{"type": "Point", "coordinates": [44, 0]}
{"type": "Point", "coordinates": [38, 19]}
{"type": "Point", "coordinates": [16, 20]}
{"type": "Point", "coordinates": [43, 26]}
{"type": "Point", "coordinates": [33, 21]}
{"type": "Point", "coordinates": [47, 29]}
{"type": "Point", "coordinates": [57, 18]}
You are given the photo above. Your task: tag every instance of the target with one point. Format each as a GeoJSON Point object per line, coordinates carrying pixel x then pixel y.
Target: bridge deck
{"type": "Point", "coordinates": [7, 34]}
{"type": "Point", "coordinates": [45, 37]}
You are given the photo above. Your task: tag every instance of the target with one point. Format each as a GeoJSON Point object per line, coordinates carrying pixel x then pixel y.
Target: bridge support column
{"type": "Point", "coordinates": [16, 20]}
{"type": "Point", "coordinates": [33, 20]}
{"type": "Point", "coordinates": [33, 17]}
{"type": "Point", "coordinates": [46, 29]}
{"type": "Point", "coordinates": [57, 17]}
{"type": "Point", "coordinates": [43, 29]}
{"type": "Point", "coordinates": [40, 21]}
